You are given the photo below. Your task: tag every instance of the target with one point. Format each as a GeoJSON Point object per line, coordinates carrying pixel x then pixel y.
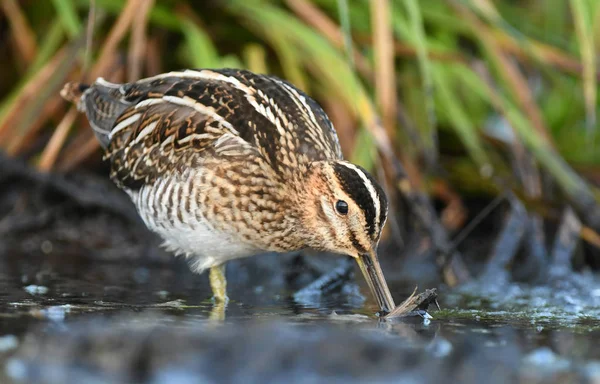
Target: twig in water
{"type": "Point", "coordinates": [414, 304]}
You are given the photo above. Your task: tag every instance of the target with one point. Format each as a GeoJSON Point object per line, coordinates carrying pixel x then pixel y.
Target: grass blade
{"type": "Point", "coordinates": [137, 46]}
{"type": "Point", "coordinates": [201, 50]}
{"type": "Point", "coordinates": [420, 41]}
{"type": "Point", "coordinates": [23, 35]}
{"type": "Point", "coordinates": [57, 140]}
{"type": "Point", "coordinates": [255, 57]}
{"type": "Point", "coordinates": [67, 14]}
{"type": "Point", "coordinates": [583, 20]}
{"type": "Point", "coordinates": [385, 74]}
{"type": "Point", "coordinates": [450, 105]}
{"type": "Point", "coordinates": [512, 78]}
{"type": "Point", "coordinates": [344, 16]}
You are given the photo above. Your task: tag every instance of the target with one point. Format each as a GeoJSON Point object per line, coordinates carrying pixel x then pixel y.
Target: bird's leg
{"type": "Point", "coordinates": [218, 283]}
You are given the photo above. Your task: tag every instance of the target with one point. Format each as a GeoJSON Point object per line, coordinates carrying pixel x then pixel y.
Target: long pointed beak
{"type": "Point", "coordinates": [369, 265]}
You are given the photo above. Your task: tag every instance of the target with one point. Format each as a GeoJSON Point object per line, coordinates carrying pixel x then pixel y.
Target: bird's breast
{"type": "Point", "coordinates": [215, 216]}
{"type": "Point", "coordinates": [179, 211]}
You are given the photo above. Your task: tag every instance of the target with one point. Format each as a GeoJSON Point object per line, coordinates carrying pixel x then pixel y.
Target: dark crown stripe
{"type": "Point", "coordinates": [365, 192]}
{"type": "Point", "coordinates": [384, 208]}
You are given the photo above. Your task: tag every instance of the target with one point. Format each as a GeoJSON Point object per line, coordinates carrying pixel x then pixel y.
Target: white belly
{"type": "Point", "coordinates": [187, 233]}
{"type": "Point", "coordinates": [202, 245]}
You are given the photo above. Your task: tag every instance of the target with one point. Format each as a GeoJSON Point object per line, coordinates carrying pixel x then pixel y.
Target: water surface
{"type": "Point", "coordinates": [67, 321]}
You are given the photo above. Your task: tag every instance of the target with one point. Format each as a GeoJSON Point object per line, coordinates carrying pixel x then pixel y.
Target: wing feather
{"type": "Point", "coordinates": [175, 119]}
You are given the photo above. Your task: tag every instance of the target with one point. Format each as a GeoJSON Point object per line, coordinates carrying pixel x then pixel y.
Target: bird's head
{"type": "Point", "coordinates": [343, 211]}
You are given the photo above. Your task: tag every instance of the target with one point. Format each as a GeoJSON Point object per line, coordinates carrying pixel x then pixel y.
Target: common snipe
{"type": "Point", "coordinates": [225, 164]}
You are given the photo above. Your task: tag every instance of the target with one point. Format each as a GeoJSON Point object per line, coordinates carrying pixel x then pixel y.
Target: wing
{"type": "Point", "coordinates": [155, 137]}
{"type": "Point", "coordinates": [180, 114]}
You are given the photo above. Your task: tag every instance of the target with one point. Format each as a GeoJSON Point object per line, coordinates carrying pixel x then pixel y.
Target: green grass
{"type": "Point", "coordinates": [459, 64]}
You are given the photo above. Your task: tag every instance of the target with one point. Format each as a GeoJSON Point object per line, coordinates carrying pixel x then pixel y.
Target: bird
{"type": "Point", "coordinates": [226, 163]}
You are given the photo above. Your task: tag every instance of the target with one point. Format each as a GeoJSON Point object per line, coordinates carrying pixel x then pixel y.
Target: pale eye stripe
{"type": "Point", "coordinates": [331, 217]}
{"type": "Point", "coordinates": [370, 188]}
{"type": "Point", "coordinates": [124, 124]}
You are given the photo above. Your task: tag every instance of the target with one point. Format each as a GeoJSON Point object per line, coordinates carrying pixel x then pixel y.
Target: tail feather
{"type": "Point", "coordinates": [102, 103]}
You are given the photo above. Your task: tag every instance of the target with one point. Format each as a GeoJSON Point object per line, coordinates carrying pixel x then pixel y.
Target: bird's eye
{"type": "Point", "coordinates": [342, 207]}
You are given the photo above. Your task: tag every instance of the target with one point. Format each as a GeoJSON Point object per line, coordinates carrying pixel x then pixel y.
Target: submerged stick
{"type": "Point", "coordinates": [414, 304]}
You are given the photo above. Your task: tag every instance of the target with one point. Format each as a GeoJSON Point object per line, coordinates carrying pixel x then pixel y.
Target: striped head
{"type": "Point", "coordinates": [347, 209]}
{"type": "Point", "coordinates": [343, 211]}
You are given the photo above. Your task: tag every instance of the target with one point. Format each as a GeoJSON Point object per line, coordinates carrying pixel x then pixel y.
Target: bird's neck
{"type": "Point", "coordinates": [302, 200]}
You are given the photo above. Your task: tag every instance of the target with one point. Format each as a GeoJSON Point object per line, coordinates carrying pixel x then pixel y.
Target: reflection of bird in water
{"type": "Point", "coordinates": [225, 164]}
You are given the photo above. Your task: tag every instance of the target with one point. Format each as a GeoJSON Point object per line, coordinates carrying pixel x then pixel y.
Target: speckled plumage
{"type": "Point", "coordinates": [226, 163]}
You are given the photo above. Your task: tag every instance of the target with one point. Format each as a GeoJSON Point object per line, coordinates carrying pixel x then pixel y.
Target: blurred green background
{"type": "Point", "coordinates": [474, 97]}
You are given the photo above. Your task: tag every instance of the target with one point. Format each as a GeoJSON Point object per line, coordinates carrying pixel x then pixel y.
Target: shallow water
{"type": "Point", "coordinates": [65, 321]}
